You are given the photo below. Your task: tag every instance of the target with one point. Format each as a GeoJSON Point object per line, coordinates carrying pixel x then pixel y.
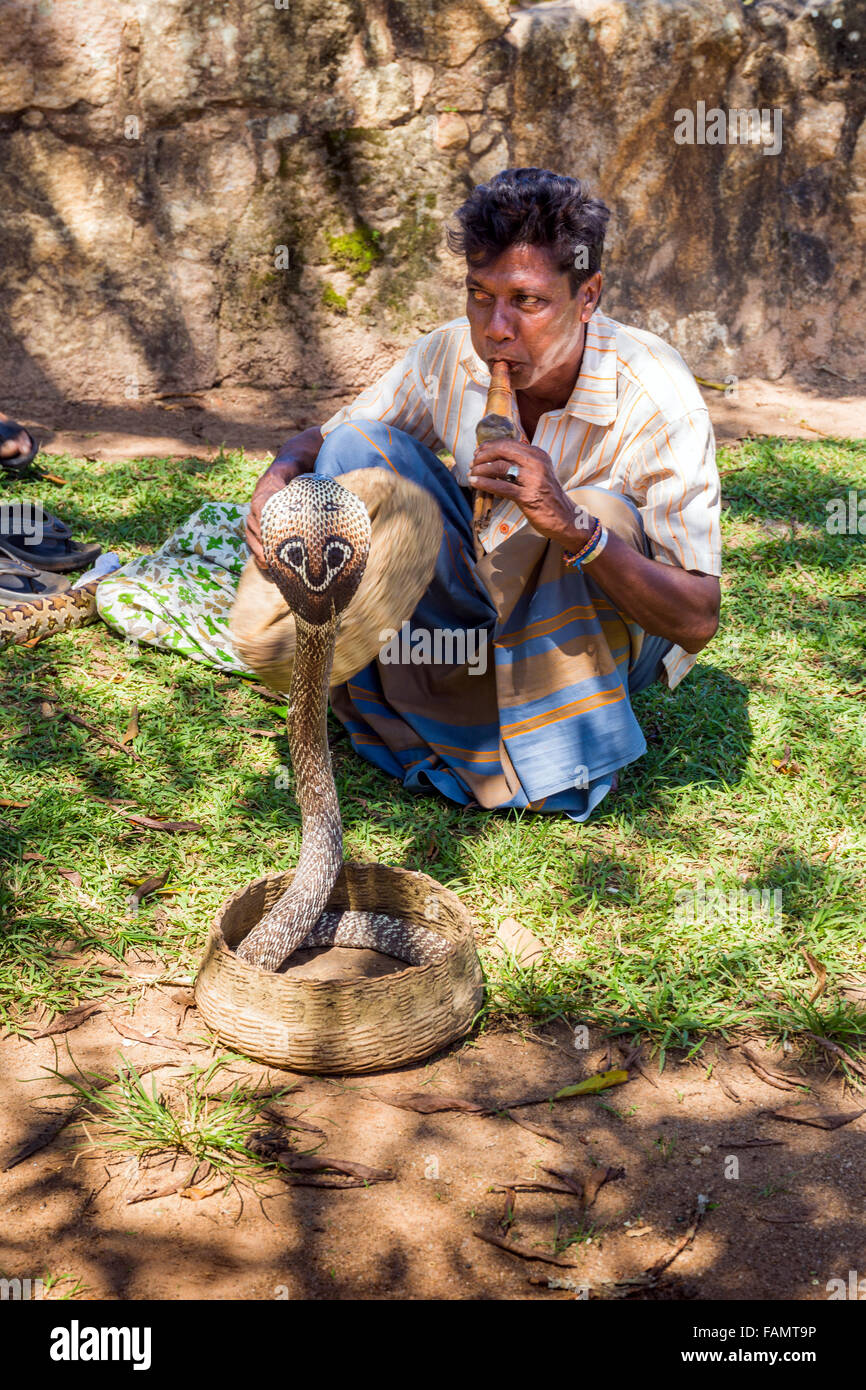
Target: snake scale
{"type": "Point", "coordinates": [43, 617]}
{"type": "Point", "coordinates": [316, 539]}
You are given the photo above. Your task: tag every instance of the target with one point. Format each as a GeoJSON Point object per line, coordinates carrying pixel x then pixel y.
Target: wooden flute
{"type": "Point", "coordinates": [496, 423]}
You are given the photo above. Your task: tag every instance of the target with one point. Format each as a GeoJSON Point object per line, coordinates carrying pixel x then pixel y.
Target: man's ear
{"type": "Point", "coordinates": [590, 293]}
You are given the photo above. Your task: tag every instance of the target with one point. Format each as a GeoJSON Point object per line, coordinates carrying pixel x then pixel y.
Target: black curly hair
{"type": "Point", "coordinates": [533, 207]}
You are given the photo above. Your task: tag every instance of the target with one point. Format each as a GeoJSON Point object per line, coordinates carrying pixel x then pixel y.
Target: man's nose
{"type": "Point", "coordinates": [499, 327]}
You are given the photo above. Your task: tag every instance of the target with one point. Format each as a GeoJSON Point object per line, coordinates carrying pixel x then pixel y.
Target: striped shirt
{"type": "Point", "coordinates": [635, 423]}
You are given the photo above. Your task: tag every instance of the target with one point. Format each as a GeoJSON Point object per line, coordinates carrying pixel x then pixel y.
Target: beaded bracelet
{"type": "Point", "coordinates": [593, 548]}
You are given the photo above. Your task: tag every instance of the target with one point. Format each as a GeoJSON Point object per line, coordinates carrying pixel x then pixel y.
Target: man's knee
{"type": "Point", "coordinates": [358, 444]}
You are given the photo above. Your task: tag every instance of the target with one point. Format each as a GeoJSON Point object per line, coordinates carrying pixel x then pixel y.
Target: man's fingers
{"type": "Point", "coordinates": [269, 483]}
{"type": "Point", "coordinates": [497, 469]}
{"type": "Point", "coordinates": [497, 487]}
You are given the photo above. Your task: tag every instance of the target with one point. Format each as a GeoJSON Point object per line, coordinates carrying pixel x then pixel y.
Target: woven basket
{"type": "Point", "coordinates": [353, 1025]}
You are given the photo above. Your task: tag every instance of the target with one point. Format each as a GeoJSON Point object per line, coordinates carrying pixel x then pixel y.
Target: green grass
{"type": "Point", "coordinates": [753, 779]}
{"type": "Point", "coordinates": [134, 1116]}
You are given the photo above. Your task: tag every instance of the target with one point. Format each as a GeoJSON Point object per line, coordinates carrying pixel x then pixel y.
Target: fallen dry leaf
{"type": "Point", "coordinates": [787, 765]}
{"type": "Point", "coordinates": [155, 823]}
{"type": "Point", "coordinates": [820, 973]}
{"type": "Point", "coordinates": [516, 940]}
{"type": "Point", "coordinates": [596, 1180]}
{"type": "Point", "coordinates": [808, 1113]}
{"type": "Point", "coordinates": [544, 1131]}
{"type": "Point", "coordinates": [770, 1078]}
{"type": "Point", "coordinates": [132, 730]}
{"type": "Point", "coordinates": [533, 1185]}
{"type": "Point", "coordinates": [144, 890]}
{"type": "Point", "coordinates": [66, 1022]}
{"type": "Point", "coordinates": [661, 1264]}
{"type": "Point", "coordinates": [179, 1178]}
{"type": "Point", "coordinates": [320, 1163]}
{"type": "Point", "coordinates": [593, 1084]}
{"type": "Point", "coordinates": [98, 734]}
{"type": "Point", "coordinates": [524, 1252]}
{"type": "Point", "coordinates": [72, 875]}
{"type": "Point", "coordinates": [431, 1103]}
{"type": "Point", "coordinates": [837, 1051]}
{"type": "Point", "coordinates": [155, 1039]}
{"type": "Point", "coordinates": [198, 1194]}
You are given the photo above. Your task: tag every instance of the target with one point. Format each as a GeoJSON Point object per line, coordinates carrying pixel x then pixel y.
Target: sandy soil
{"type": "Point", "coordinates": [790, 1219]}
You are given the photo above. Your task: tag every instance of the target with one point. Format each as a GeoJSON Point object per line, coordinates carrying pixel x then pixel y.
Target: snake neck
{"type": "Point", "coordinates": [321, 827]}
{"type": "Point", "coordinates": [292, 916]}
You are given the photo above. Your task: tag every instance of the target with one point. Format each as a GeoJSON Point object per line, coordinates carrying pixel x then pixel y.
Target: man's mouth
{"type": "Point", "coordinates": [511, 361]}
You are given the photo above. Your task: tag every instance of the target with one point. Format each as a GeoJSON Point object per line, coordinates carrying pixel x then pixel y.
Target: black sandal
{"type": "Point", "coordinates": [22, 583]}
{"type": "Point", "coordinates": [56, 551]}
{"type": "Point", "coordinates": [16, 463]}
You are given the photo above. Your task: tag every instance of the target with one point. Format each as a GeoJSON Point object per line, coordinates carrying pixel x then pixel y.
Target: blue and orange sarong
{"type": "Point", "coordinates": [539, 715]}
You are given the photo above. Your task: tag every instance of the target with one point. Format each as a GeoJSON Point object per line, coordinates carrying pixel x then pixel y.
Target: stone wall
{"type": "Point", "coordinates": [255, 191]}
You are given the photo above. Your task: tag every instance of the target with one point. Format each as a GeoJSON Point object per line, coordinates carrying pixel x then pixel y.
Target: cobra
{"type": "Point", "coordinates": [316, 539]}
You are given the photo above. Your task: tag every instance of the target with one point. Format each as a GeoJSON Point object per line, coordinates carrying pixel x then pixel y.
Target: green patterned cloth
{"type": "Point", "coordinates": [181, 597]}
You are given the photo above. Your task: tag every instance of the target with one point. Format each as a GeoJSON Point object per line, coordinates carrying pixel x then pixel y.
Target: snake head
{"type": "Point", "coordinates": [316, 538]}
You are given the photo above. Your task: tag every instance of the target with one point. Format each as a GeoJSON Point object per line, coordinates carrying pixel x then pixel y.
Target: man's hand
{"type": "Point", "coordinates": [297, 456]}
{"type": "Point", "coordinates": [682, 605]}
{"type": "Point", "coordinates": [537, 491]}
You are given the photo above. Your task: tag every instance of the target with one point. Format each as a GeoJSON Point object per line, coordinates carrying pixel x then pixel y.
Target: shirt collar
{"type": "Point", "coordinates": [594, 396]}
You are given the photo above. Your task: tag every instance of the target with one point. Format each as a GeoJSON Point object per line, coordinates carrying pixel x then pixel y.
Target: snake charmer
{"type": "Point", "coordinates": [595, 571]}
{"type": "Point", "coordinates": [518, 592]}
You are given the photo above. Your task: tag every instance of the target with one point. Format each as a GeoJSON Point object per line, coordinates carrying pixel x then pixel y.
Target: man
{"type": "Point", "coordinates": [598, 569]}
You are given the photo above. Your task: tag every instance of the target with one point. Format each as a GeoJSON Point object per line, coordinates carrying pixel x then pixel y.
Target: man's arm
{"type": "Point", "coordinates": [298, 455]}
{"type": "Point", "coordinates": [682, 605]}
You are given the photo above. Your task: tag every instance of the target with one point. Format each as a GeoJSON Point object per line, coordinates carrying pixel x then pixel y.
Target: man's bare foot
{"type": "Point", "coordinates": [16, 444]}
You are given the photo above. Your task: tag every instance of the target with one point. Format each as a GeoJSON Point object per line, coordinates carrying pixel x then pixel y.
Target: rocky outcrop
{"type": "Point", "coordinates": [256, 192]}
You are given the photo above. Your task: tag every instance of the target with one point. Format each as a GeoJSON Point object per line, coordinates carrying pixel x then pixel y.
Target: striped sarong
{"type": "Point", "coordinates": [532, 708]}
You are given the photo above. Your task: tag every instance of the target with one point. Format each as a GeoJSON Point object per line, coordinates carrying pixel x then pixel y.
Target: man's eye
{"type": "Point", "coordinates": [530, 299]}
{"type": "Point", "coordinates": [479, 296]}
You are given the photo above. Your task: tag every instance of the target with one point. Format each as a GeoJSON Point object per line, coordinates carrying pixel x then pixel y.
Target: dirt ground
{"type": "Point", "coordinates": [259, 421]}
{"type": "Point", "coordinates": [783, 1202]}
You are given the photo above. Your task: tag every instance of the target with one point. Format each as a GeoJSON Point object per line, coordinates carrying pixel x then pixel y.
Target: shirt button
{"type": "Point", "coordinates": [504, 529]}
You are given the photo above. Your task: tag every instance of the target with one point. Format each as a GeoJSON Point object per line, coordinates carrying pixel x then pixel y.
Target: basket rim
{"type": "Point", "coordinates": [358, 983]}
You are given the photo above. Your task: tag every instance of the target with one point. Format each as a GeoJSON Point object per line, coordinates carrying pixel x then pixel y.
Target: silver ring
{"type": "Point", "coordinates": [513, 474]}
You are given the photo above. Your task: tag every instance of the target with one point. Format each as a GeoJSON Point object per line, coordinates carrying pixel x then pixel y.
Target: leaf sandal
{"type": "Point", "coordinates": [23, 583]}
{"type": "Point", "coordinates": [56, 551]}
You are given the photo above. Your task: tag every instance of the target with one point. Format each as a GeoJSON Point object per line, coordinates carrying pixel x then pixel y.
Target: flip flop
{"type": "Point", "coordinates": [21, 583]}
{"type": "Point", "coordinates": [56, 551]}
{"type": "Point", "coordinates": [16, 463]}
